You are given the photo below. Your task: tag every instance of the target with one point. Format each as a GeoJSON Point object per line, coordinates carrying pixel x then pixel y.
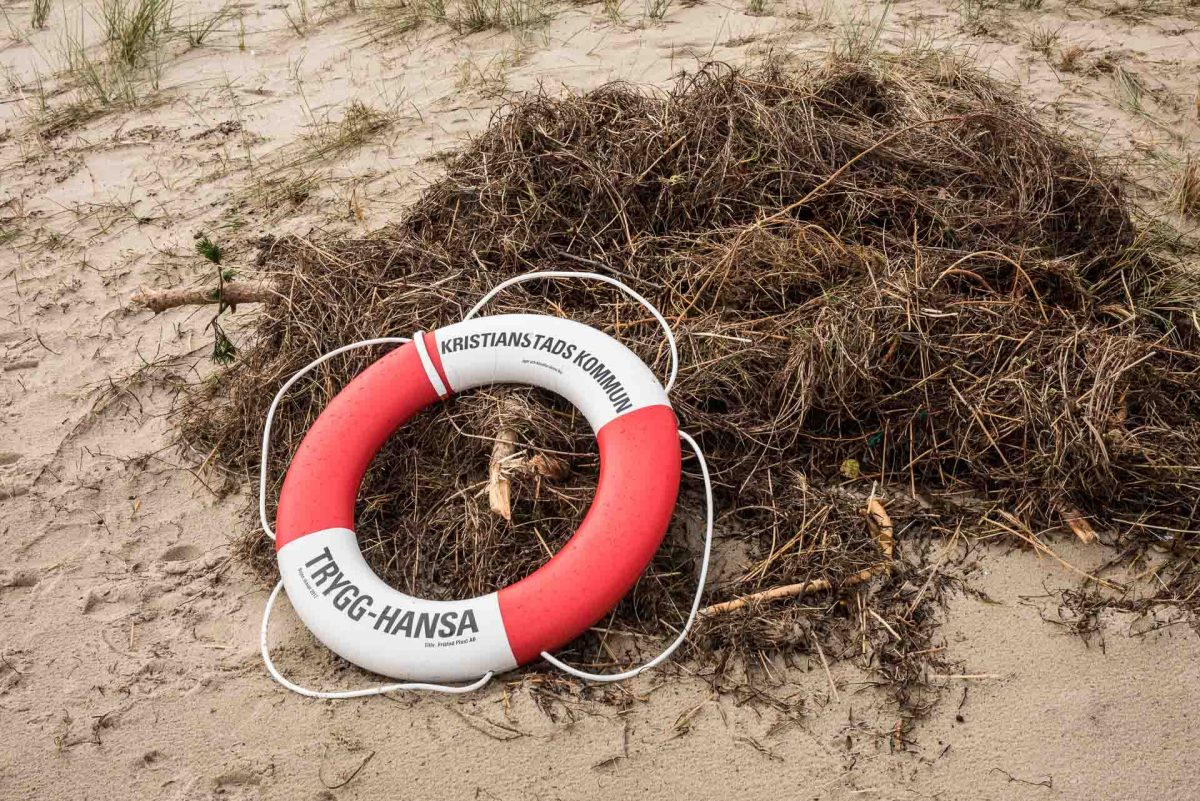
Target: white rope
{"type": "Point", "coordinates": [670, 649]}
{"type": "Point", "coordinates": [365, 691]}
{"type": "Point", "coordinates": [466, 688]}
{"type": "Point", "coordinates": [520, 279]}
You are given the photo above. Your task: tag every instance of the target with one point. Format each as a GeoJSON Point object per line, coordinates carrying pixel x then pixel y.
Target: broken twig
{"type": "Point", "coordinates": [879, 521]}
{"type": "Point", "coordinates": [498, 486]}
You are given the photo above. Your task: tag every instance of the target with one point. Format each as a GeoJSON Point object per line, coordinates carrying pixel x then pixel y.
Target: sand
{"type": "Point", "coordinates": [128, 634]}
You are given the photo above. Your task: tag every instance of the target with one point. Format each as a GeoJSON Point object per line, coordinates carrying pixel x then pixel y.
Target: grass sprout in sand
{"type": "Point", "coordinates": [122, 70]}
{"type": "Point", "coordinates": [390, 19]}
{"type": "Point", "coordinates": [880, 273]}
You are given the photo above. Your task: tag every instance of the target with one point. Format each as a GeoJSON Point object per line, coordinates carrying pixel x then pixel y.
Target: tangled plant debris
{"type": "Point", "coordinates": [881, 274]}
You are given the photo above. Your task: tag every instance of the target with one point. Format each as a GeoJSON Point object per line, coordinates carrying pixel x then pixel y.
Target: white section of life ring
{"type": "Point", "coordinates": [362, 619]}
{"type": "Point", "coordinates": [604, 279]}
{"type": "Point", "coordinates": [596, 373]}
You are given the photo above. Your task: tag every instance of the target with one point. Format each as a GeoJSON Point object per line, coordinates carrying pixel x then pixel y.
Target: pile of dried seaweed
{"type": "Point", "coordinates": [880, 273]}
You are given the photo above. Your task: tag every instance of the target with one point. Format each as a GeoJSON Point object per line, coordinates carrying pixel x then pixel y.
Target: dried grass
{"type": "Point", "coordinates": [1187, 188]}
{"type": "Point", "coordinates": [892, 262]}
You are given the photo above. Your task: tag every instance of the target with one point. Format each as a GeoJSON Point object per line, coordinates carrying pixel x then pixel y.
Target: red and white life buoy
{"type": "Point", "coordinates": [349, 609]}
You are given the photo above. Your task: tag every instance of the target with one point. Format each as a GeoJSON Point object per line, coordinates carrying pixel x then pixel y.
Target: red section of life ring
{"type": "Point", "coordinates": [634, 500]}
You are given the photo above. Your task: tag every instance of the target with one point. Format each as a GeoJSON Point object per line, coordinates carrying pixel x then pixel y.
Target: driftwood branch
{"type": "Point", "coordinates": [231, 294]}
{"type": "Point", "coordinates": [498, 486]}
{"type": "Point", "coordinates": [885, 533]}
{"type": "Point", "coordinates": [505, 462]}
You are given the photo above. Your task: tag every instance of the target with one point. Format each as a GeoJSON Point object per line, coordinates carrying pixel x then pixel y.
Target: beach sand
{"type": "Point", "coordinates": [128, 632]}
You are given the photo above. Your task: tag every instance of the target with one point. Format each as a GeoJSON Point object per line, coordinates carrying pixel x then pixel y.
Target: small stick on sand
{"type": "Point", "coordinates": [879, 521]}
{"type": "Point", "coordinates": [965, 676]}
{"type": "Point", "coordinates": [885, 624]}
{"type": "Point", "coordinates": [825, 664]}
{"type": "Point", "coordinates": [231, 294]}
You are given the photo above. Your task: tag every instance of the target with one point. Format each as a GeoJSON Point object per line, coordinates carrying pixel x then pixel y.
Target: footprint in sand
{"type": "Point", "coordinates": [151, 759]}
{"type": "Point", "coordinates": [240, 783]}
{"type": "Point", "coordinates": [176, 558]}
{"type": "Point", "coordinates": [180, 553]}
{"type": "Point", "coordinates": [18, 578]}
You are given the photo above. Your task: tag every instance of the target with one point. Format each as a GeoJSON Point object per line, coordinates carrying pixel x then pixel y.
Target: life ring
{"type": "Point", "coordinates": [356, 615]}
